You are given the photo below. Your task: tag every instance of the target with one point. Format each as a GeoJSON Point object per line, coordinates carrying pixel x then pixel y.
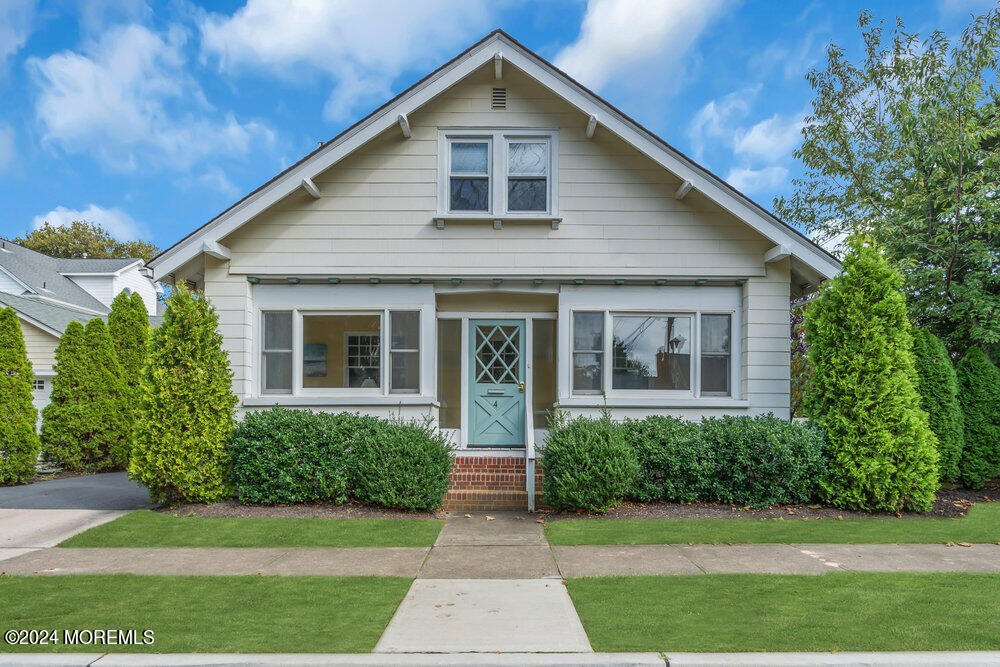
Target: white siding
{"type": "Point", "coordinates": [376, 214]}
{"type": "Point", "coordinates": [101, 288]}
{"type": "Point", "coordinates": [133, 280]}
{"type": "Point", "coordinates": [767, 342]}
{"type": "Point", "coordinates": [9, 285]}
{"type": "Point", "coordinates": [41, 347]}
{"type": "Point", "coordinates": [232, 298]}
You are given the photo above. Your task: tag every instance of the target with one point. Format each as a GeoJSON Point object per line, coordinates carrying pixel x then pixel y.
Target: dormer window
{"type": "Point", "coordinates": [493, 173]}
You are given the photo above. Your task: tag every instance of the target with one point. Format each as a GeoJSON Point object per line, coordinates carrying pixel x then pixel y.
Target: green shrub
{"type": "Point", "coordinates": [106, 399]}
{"type": "Point", "coordinates": [291, 456]}
{"type": "Point", "coordinates": [67, 420]}
{"type": "Point", "coordinates": [761, 461]}
{"type": "Point", "coordinates": [588, 464]}
{"type": "Point", "coordinates": [862, 389]}
{"type": "Point", "coordinates": [185, 416]}
{"type": "Point", "coordinates": [128, 324]}
{"type": "Point", "coordinates": [938, 387]}
{"type": "Point", "coordinates": [979, 394]}
{"type": "Point", "coordinates": [673, 463]}
{"type": "Point", "coordinates": [399, 464]}
{"type": "Point", "coordinates": [19, 444]}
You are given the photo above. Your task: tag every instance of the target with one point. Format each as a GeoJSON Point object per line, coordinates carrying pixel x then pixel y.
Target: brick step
{"type": "Point", "coordinates": [485, 481]}
{"type": "Point", "coordinates": [484, 499]}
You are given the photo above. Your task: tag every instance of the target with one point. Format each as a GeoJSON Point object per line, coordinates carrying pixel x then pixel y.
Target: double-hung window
{"type": "Point", "coordinates": [340, 352]}
{"type": "Point", "coordinates": [685, 354]}
{"type": "Point", "coordinates": [498, 173]}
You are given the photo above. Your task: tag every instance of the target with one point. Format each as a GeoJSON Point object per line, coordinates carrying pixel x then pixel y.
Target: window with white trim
{"type": "Point", "coordinates": [276, 352]}
{"type": "Point", "coordinates": [38, 384]}
{"type": "Point", "coordinates": [652, 352]}
{"type": "Point", "coordinates": [498, 172]}
{"type": "Point", "coordinates": [404, 350]}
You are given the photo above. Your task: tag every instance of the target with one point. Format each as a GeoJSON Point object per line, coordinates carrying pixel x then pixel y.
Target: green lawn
{"type": "Point", "coordinates": [981, 524]}
{"type": "Point", "coordinates": [145, 528]}
{"type": "Point", "coordinates": [207, 614]}
{"type": "Point", "coordinates": [763, 612]}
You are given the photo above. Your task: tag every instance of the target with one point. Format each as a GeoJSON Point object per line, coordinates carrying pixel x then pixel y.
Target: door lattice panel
{"type": "Point", "coordinates": [497, 354]}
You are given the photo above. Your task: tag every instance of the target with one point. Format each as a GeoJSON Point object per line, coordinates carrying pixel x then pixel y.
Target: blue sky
{"type": "Point", "coordinates": [152, 117]}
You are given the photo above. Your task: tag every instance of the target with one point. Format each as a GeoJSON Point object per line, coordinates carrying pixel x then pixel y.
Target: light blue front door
{"type": "Point", "coordinates": [496, 383]}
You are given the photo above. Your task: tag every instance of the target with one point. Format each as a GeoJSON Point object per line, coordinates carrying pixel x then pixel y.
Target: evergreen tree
{"type": "Point", "coordinates": [128, 325]}
{"type": "Point", "coordinates": [862, 391]}
{"type": "Point", "coordinates": [18, 438]}
{"type": "Point", "coordinates": [106, 400]}
{"type": "Point", "coordinates": [938, 387]}
{"type": "Point", "coordinates": [66, 421]}
{"type": "Point", "coordinates": [979, 394]}
{"type": "Point", "coordinates": [186, 413]}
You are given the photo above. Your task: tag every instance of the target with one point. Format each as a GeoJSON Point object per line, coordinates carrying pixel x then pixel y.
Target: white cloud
{"type": "Point", "coordinates": [360, 46]}
{"type": "Point", "coordinates": [749, 180]}
{"type": "Point", "coordinates": [216, 179]}
{"type": "Point", "coordinates": [119, 223]}
{"type": "Point", "coordinates": [771, 139]}
{"type": "Point", "coordinates": [127, 101]}
{"type": "Point", "coordinates": [17, 18]}
{"type": "Point", "coordinates": [6, 146]}
{"type": "Point", "coordinates": [619, 35]}
{"type": "Point", "coordinates": [718, 119]}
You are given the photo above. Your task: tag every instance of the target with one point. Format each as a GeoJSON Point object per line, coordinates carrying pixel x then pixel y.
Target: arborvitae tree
{"type": "Point", "coordinates": [66, 421]}
{"type": "Point", "coordinates": [938, 389]}
{"type": "Point", "coordinates": [18, 438]}
{"type": "Point", "coordinates": [186, 414]}
{"type": "Point", "coordinates": [979, 394]}
{"type": "Point", "coordinates": [106, 399]}
{"type": "Point", "coordinates": [128, 325]}
{"type": "Point", "coordinates": [862, 391]}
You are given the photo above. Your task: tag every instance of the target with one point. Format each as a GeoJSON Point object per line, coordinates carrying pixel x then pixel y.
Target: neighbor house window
{"type": "Point", "coordinates": [588, 352]}
{"type": "Point", "coordinates": [404, 350]}
{"type": "Point", "coordinates": [470, 175]}
{"type": "Point", "coordinates": [276, 352]}
{"type": "Point", "coordinates": [498, 172]}
{"type": "Point", "coordinates": [716, 336]}
{"type": "Point", "coordinates": [38, 385]}
{"type": "Point", "coordinates": [651, 352]}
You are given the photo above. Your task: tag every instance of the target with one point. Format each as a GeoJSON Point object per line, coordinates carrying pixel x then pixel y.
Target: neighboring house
{"type": "Point", "coordinates": [49, 292]}
{"type": "Point", "coordinates": [493, 243]}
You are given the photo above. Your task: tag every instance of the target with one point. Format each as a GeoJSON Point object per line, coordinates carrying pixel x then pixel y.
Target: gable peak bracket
{"type": "Point", "coordinates": [404, 125]}
{"type": "Point", "coordinates": [311, 188]}
{"type": "Point", "coordinates": [591, 126]}
{"type": "Point", "coordinates": [682, 190]}
{"type": "Point", "coordinates": [498, 65]}
{"type": "Point", "coordinates": [777, 253]}
{"type": "Point", "coordinates": [216, 250]}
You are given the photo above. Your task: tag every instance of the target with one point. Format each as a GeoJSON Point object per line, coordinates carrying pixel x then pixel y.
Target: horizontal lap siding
{"type": "Point", "coordinates": [376, 210]}
{"type": "Point", "coordinates": [41, 348]}
{"type": "Point", "coordinates": [231, 297]}
{"type": "Point", "coordinates": [765, 340]}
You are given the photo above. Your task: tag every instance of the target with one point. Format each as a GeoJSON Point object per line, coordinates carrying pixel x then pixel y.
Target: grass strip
{"type": "Point", "coordinates": [145, 528]}
{"type": "Point", "coordinates": [762, 612]}
{"type": "Point", "coordinates": [237, 614]}
{"type": "Point", "coordinates": [981, 524]}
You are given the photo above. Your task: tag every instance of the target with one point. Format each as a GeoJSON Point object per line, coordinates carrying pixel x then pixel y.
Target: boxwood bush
{"type": "Point", "coordinates": [674, 465]}
{"type": "Point", "coordinates": [399, 464]}
{"type": "Point", "coordinates": [760, 461]}
{"type": "Point", "coordinates": [291, 456]}
{"type": "Point", "coordinates": [588, 464]}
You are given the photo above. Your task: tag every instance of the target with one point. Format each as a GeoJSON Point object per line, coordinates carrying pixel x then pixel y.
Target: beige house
{"type": "Point", "coordinates": [494, 243]}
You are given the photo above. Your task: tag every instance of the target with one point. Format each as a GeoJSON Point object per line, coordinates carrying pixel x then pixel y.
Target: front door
{"type": "Point", "coordinates": [496, 383]}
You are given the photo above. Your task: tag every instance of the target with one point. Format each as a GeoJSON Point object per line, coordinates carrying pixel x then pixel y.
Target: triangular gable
{"type": "Point", "coordinates": [500, 48]}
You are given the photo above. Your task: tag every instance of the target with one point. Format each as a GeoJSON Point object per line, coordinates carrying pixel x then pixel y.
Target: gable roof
{"type": "Point", "coordinates": [47, 316]}
{"type": "Point", "coordinates": [789, 241]}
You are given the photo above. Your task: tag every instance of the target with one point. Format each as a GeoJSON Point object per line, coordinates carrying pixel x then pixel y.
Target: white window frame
{"type": "Point", "coordinates": [38, 384]}
{"type": "Point", "coordinates": [406, 350]}
{"type": "Point", "coordinates": [347, 353]}
{"type": "Point", "coordinates": [695, 365]}
{"type": "Point", "coordinates": [490, 172]}
{"type": "Point", "coordinates": [498, 140]}
{"type": "Point", "coordinates": [733, 372]}
{"type": "Point", "coordinates": [260, 354]}
{"type": "Point", "coordinates": [573, 352]}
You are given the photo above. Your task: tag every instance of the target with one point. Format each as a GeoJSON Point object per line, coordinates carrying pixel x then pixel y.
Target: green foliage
{"type": "Point", "coordinates": [85, 426]}
{"type": "Point", "coordinates": [19, 444]}
{"type": "Point", "coordinates": [905, 146]}
{"type": "Point", "coordinates": [673, 463]}
{"type": "Point", "coordinates": [862, 391]}
{"type": "Point", "coordinates": [979, 394]}
{"type": "Point", "coordinates": [588, 464]}
{"type": "Point", "coordinates": [84, 239]}
{"type": "Point", "coordinates": [128, 324]}
{"type": "Point", "coordinates": [938, 389]}
{"type": "Point", "coordinates": [399, 464]}
{"type": "Point", "coordinates": [800, 369]}
{"type": "Point", "coordinates": [761, 461]}
{"type": "Point", "coordinates": [185, 415]}
{"type": "Point", "coordinates": [291, 456]}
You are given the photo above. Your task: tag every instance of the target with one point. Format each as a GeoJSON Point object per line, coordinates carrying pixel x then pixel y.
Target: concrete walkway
{"type": "Point", "coordinates": [35, 516]}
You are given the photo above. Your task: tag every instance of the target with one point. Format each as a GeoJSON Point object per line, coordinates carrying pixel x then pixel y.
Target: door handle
{"type": "Point", "coordinates": [520, 387]}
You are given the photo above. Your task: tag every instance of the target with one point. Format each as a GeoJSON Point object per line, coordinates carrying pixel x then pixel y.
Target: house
{"type": "Point", "coordinates": [492, 244]}
{"type": "Point", "coordinates": [48, 293]}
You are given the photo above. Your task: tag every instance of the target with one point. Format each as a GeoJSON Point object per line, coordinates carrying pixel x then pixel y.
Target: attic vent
{"type": "Point", "coordinates": [499, 100]}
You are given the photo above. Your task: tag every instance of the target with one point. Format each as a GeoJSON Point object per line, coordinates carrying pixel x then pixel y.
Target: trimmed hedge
{"type": "Point", "coordinates": [979, 393]}
{"type": "Point", "coordinates": [673, 463]}
{"type": "Point", "coordinates": [588, 464]}
{"type": "Point", "coordinates": [938, 387]}
{"type": "Point", "coordinates": [291, 456]}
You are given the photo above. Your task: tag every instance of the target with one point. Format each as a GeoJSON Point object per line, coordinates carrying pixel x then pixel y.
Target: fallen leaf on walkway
{"type": "Point", "coordinates": [468, 516]}
{"type": "Point", "coordinates": [489, 518]}
{"type": "Point", "coordinates": [965, 544]}
{"type": "Point", "coordinates": [539, 520]}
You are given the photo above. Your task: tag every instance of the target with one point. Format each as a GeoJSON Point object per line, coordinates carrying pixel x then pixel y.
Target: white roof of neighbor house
{"type": "Point", "coordinates": [498, 45]}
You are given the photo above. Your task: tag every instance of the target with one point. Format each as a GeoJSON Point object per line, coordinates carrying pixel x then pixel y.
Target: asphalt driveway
{"type": "Point", "coordinates": [44, 514]}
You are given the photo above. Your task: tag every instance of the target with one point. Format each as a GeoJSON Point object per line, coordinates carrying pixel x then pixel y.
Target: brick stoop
{"type": "Point", "coordinates": [487, 483]}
